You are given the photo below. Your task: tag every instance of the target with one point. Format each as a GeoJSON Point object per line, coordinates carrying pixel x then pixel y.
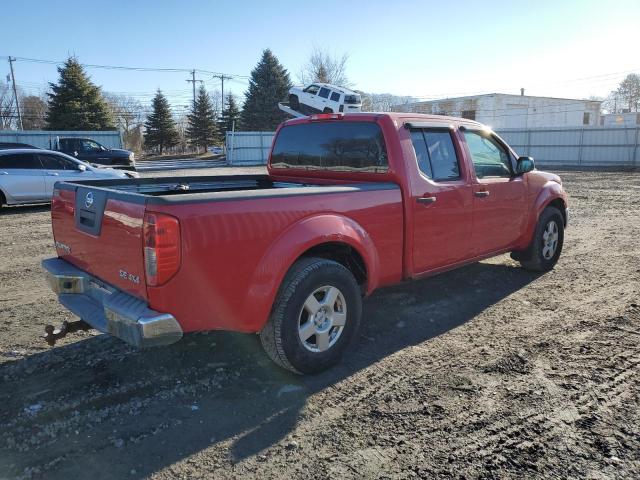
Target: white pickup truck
{"type": "Point", "coordinates": [324, 98]}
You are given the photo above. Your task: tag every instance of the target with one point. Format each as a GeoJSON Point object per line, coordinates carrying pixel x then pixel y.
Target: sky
{"type": "Point", "coordinates": [426, 49]}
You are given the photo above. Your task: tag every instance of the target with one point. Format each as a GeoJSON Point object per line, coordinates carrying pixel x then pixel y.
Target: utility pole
{"type": "Point", "coordinates": [193, 81]}
{"type": "Point", "coordinates": [222, 77]}
{"type": "Point", "coordinates": [15, 93]}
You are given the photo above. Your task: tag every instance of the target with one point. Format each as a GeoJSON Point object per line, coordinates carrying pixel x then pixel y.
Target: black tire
{"type": "Point", "coordinates": [294, 103]}
{"type": "Point", "coordinates": [3, 200]}
{"type": "Point", "coordinates": [537, 257]}
{"type": "Point", "coordinates": [327, 110]}
{"type": "Point", "coordinates": [280, 336]}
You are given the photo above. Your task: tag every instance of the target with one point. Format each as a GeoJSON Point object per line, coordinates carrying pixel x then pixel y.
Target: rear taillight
{"type": "Point", "coordinates": [162, 255]}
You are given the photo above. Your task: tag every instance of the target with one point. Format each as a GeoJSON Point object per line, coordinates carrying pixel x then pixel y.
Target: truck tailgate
{"type": "Point", "coordinates": [100, 235]}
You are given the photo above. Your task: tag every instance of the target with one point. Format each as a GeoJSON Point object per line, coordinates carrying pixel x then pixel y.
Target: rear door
{"type": "Point", "coordinates": [499, 213]}
{"type": "Point", "coordinates": [21, 177]}
{"type": "Point", "coordinates": [441, 198]}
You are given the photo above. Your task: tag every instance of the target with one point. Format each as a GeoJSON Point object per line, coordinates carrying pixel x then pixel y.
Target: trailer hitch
{"type": "Point", "coordinates": [53, 334]}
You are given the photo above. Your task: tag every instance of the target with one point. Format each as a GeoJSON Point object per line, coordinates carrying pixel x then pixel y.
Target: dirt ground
{"type": "Point", "coordinates": [485, 372]}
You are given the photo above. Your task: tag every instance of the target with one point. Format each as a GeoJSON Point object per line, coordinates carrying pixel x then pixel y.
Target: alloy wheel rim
{"type": "Point", "coordinates": [550, 238]}
{"type": "Point", "coordinates": [322, 319]}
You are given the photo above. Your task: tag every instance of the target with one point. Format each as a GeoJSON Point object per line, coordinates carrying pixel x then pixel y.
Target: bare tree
{"type": "Point", "coordinates": [34, 112]}
{"type": "Point", "coordinates": [129, 115]}
{"type": "Point", "coordinates": [325, 68]}
{"type": "Point", "coordinates": [629, 92]}
{"type": "Point", "coordinates": [382, 102]}
{"type": "Point", "coordinates": [8, 114]}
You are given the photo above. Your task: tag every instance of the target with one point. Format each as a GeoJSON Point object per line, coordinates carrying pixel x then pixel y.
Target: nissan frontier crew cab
{"type": "Point", "coordinates": [350, 203]}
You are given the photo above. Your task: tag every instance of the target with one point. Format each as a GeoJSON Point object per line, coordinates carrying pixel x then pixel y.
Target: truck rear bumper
{"type": "Point", "coordinates": [108, 309]}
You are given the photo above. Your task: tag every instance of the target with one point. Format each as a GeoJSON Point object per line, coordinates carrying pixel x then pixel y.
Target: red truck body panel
{"type": "Point", "coordinates": [236, 252]}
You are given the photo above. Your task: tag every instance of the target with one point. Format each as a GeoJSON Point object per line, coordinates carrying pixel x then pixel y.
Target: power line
{"type": "Point", "coordinates": [139, 69]}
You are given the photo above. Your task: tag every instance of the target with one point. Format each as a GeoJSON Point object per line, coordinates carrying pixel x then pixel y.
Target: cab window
{"type": "Point", "coordinates": [54, 162]}
{"type": "Point", "coordinates": [312, 89]}
{"type": "Point", "coordinates": [435, 154]}
{"type": "Point", "coordinates": [90, 146]}
{"type": "Point", "coordinates": [490, 158]}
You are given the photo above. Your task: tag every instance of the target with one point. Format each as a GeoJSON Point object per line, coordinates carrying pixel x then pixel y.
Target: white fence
{"type": "Point", "coordinates": [248, 148]}
{"type": "Point", "coordinates": [45, 138]}
{"type": "Point", "coordinates": [588, 147]}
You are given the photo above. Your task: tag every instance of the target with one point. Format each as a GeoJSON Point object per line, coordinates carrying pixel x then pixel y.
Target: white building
{"type": "Point", "coordinates": [627, 119]}
{"type": "Point", "coordinates": [500, 110]}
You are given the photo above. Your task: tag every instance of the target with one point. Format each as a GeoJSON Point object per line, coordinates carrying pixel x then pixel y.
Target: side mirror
{"type": "Point", "coordinates": [524, 165]}
{"type": "Point", "coordinates": [82, 168]}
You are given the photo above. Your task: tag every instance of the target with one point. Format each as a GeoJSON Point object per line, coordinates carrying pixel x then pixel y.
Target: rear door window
{"type": "Point", "coordinates": [335, 97]}
{"type": "Point", "coordinates": [19, 161]}
{"type": "Point", "coordinates": [324, 92]}
{"type": "Point", "coordinates": [337, 146]}
{"type": "Point", "coordinates": [435, 154]}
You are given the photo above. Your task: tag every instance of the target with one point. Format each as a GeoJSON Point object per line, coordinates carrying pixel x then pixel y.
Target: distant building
{"type": "Point", "coordinates": [627, 119]}
{"type": "Point", "coordinates": [500, 110]}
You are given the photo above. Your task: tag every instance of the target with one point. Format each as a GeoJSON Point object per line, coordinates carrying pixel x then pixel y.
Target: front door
{"type": "Point", "coordinates": [442, 202]}
{"type": "Point", "coordinates": [499, 201]}
{"type": "Point", "coordinates": [58, 169]}
{"type": "Point", "coordinates": [92, 152]}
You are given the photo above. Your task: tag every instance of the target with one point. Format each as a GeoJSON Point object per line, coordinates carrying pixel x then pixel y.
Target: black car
{"type": "Point", "coordinates": [91, 151]}
{"type": "Point", "coordinates": [10, 145]}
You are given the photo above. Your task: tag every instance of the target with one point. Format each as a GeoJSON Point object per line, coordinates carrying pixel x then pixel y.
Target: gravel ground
{"type": "Point", "coordinates": [485, 372]}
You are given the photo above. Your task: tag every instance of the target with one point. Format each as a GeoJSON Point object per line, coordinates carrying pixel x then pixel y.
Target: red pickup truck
{"type": "Point", "coordinates": [351, 203]}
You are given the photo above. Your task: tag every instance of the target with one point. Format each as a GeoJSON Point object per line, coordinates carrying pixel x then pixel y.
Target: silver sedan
{"type": "Point", "coordinates": [28, 175]}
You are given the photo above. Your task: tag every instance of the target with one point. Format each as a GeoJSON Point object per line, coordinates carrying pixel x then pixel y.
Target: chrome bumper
{"type": "Point", "coordinates": [108, 309]}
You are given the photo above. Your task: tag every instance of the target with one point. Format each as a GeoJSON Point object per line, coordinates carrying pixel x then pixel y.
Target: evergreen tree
{"type": "Point", "coordinates": [202, 130]}
{"type": "Point", "coordinates": [269, 85]}
{"type": "Point", "coordinates": [75, 103]}
{"type": "Point", "coordinates": [230, 117]}
{"type": "Point", "coordinates": [160, 127]}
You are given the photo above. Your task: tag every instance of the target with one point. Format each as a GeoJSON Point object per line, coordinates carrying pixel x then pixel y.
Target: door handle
{"type": "Point", "coordinates": [482, 193]}
{"type": "Point", "coordinates": [4, 173]}
{"type": "Point", "coordinates": [52, 174]}
{"type": "Point", "coordinates": [426, 200]}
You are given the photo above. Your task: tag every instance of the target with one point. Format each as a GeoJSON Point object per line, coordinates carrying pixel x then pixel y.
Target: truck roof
{"type": "Point", "coordinates": [397, 117]}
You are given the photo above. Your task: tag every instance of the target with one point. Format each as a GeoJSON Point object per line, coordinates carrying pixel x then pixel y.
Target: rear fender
{"type": "Point", "coordinates": [292, 243]}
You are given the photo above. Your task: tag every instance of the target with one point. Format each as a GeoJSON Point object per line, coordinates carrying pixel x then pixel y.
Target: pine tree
{"type": "Point", "coordinates": [160, 127]}
{"type": "Point", "coordinates": [202, 130]}
{"type": "Point", "coordinates": [269, 85]}
{"type": "Point", "coordinates": [230, 118]}
{"type": "Point", "coordinates": [75, 103]}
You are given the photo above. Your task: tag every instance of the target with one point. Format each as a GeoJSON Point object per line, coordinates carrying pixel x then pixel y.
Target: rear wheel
{"type": "Point", "coordinates": [327, 110]}
{"type": "Point", "coordinates": [545, 248]}
{"type": "Point", "coordinates": [3, 200]}
{"type": "Point", "coordinates": [294, 103]}
{"type": "Point", "coordinates": [316, 315]}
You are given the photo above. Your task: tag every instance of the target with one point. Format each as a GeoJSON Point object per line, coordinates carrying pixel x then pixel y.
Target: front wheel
{"type": "Point", "coordinates": [294, 103]}
{"type": "Point", "coordinates": [316, 315]}
{"type": "Point", "coordinates": [545, 248]}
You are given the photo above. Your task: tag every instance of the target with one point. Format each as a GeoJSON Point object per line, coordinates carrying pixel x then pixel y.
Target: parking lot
{"type": "Point", "coordinates": [488, 371]}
